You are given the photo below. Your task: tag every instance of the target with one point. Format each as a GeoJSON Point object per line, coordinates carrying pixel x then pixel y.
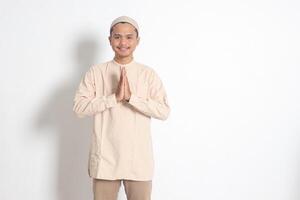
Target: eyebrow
{"type": "Point", "coordinates": [126, 34]}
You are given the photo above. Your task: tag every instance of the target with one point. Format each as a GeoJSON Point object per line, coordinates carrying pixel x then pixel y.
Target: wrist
{"type": "Point", "coordinates": [128, 99]}
{"type": "Point", "coordinates": [117, 98]}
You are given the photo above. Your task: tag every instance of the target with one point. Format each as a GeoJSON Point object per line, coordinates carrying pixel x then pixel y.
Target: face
{"type": "Point", "coordinates": [123, 40]}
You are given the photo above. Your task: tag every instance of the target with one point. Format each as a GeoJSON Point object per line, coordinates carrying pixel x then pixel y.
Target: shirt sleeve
{"type": "Point", "coordinates": [86, 102]}
{"type": "Point", "coordinates": [156, 103]}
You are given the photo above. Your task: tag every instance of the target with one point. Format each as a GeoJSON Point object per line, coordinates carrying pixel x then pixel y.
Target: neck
{"type": "Point", "coordinates": [124, 60]}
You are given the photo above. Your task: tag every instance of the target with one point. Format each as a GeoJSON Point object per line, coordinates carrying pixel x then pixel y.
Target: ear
{"type": "Point", "coordinates": [109, 39]}
{"type": "Point", "coordinates": [138, 40]}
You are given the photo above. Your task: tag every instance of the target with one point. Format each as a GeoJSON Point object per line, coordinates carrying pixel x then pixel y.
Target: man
{"type": "Point", "coordinates": [122, 95]}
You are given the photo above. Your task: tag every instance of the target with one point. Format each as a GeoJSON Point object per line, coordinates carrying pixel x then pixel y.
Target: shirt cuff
{"type": "Point", "coordinates": [109, 101]}
{"type": "Point", "coordinates": [134, 98]}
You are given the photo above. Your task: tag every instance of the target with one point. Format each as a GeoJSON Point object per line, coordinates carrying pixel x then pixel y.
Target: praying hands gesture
{"type": "Point", "coordinates": [123, 91]}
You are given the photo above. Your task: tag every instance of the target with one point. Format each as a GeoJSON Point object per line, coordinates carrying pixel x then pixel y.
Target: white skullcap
{"type": "Point", "coordinates": [127, 20]}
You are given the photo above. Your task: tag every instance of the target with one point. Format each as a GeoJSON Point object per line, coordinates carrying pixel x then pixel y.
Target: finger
{"type": "Point", "coordinates": [126, 83]}
{"type": "Point", "coordinates": [121, 76]}
{"type": "Point", "coordinates": [124, 71]}
{"type": "Point", "coordinates": [124, 77]}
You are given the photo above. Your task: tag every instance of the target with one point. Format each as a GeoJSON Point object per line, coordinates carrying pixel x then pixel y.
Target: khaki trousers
{"type": "Point", "coordinates": [108, 189]}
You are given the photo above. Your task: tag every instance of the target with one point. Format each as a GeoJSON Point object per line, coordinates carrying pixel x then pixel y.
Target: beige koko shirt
{"type": "Point", "coordinates": [121, 145]}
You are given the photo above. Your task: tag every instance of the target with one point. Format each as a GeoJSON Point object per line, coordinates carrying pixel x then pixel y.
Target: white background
{"type": "Point", "coordinates": [231, 71]}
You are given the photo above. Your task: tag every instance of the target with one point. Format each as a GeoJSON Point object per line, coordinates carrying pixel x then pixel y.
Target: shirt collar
{"type": "Point", "coordinates": [123, 65]}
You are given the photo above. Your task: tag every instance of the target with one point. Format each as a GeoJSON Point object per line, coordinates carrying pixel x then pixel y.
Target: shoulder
{"type": "Point", "coordinates": [149, 73]}
{"type": "Point", "coordinates": [99, 66]}
{"type": "Point", "coordinates": [149, 70]}
{"type": "Point", "coordinates": [96, 69]}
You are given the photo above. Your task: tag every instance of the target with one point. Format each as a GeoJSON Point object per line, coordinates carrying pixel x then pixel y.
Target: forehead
{"type": "Point", "coordinates": [123, 28]}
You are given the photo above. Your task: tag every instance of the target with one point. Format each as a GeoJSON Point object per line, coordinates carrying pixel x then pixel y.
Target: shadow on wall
{"type": "Point", "coordinates": [73, 182]}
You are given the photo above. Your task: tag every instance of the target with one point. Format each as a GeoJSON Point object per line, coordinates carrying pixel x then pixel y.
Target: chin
{"type": "Point", "coordinates": [123, 54]}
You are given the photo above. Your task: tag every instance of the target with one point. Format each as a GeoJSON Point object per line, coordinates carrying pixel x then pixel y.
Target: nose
{"type": "Point", "coordinates": [123, 41]}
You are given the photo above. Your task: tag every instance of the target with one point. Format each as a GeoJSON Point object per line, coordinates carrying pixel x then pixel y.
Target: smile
{"type": "Point", "coordinates": [123, 48]}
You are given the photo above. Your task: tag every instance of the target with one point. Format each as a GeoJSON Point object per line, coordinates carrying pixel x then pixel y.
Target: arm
{"type": "Point", "coordinates": [86, 103]}
{"type": "Point", "coordinates": [156, 105]}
